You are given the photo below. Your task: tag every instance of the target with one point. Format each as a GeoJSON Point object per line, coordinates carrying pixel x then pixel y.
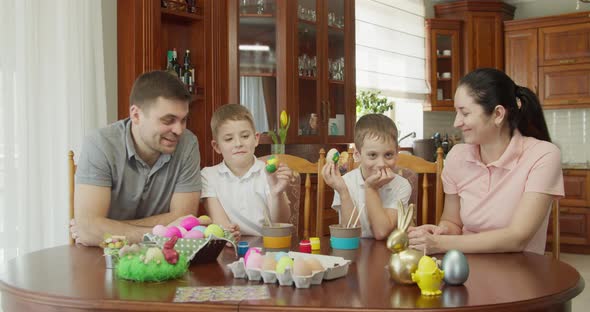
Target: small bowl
{"type": "Point", "coordinates": [343, 237]}
{"type": "Point", "coordinates": [277, 237]}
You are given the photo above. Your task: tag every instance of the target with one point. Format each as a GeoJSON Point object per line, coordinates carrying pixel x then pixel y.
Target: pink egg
{"type": "Point", "coordinates": [173, 231]}
{"type": "Point", "coordinates": [255, 261]}
{"type": "Point", "coordinates": [159, 230]}
{"type": "Point", "coordinates": [182, 230]}
{"type": "Point", "coordinates": [250, 251]}
{"type": "Point", "coordinates": [190, 222]}
{"type": "Point", "coordinates": [194, 234]}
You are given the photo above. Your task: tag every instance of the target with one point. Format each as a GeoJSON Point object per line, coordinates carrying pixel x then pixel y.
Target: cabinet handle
{"type": "Point", "coordinates": [570, 61]}
{"type": "Point", "coordinates": [569, 102]}
{"type": "Point", "coordinates": [323, 111]}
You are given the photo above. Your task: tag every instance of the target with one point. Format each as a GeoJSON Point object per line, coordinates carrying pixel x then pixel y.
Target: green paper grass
{"type": "Point", "coordinates": [131, 268]}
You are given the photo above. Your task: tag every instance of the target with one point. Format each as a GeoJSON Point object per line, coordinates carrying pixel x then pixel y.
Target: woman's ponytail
{"type": "Point", "coordinates": [531, 120]}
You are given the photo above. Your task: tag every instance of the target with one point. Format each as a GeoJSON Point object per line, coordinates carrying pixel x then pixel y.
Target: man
{"type": "Point", "coordinates": [140, 171]}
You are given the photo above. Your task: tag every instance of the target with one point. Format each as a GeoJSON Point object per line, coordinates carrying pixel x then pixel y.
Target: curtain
{"type": "Point", "coordinates": [252, 96]}
{"type": "Point", "coordinates": [52, 90]}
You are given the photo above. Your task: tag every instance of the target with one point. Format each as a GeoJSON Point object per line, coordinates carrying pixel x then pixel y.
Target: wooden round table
{"type": "Point", "coordinates": [74, 278]}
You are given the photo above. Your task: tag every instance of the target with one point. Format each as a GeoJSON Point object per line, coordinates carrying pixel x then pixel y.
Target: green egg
{"type": "Point", "coordinates": [283, 263]}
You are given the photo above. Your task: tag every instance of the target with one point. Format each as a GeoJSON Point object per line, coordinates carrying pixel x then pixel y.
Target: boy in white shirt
{"type": "Point", "coordinates": [373, 187]}
{"type": "Point", "coordinates": [239, 190]}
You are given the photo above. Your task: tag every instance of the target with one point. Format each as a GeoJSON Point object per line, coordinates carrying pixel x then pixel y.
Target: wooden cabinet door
{"type": "Point", "coordinates": [565, 86]}
{"type": "Point", "coordinates": [573, 225]}
{"type": "Point", "coordinates": [569, 44]}
{"type": "Point", "coordinates": [521, 57]}
{"type": "Point", "coordinates": [485, 46]}
{"type": "Point", "coordinates": [576, 184]}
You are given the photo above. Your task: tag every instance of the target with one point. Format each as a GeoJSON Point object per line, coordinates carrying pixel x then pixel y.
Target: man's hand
{"type": "Point", "coordinates": [332, 177]}
{"type": "Point", "coordinates": [79, 234]}
{"type": "Point", "coordinates": [280, 179]}
{"type": "Point", "coordinates": [380, 178]}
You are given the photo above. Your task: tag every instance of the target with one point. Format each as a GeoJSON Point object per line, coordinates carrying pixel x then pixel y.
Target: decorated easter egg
{"type": "Point", "coordinates": [279, 255]}
{"type": "Point", "coordinates": [456, 268]}
{"type": "Point", "coordinates": [173, 231]}
{"type": "Point", "coordinates": [284, 263]}
{"type": "Point", "coordinates": [255, 261]}
{"type": "Point", "coordinates": [300, 267]}
{"type": "Point", "coordinates": [190, 222]}
{"type": "Point", "coordinates": [182, 230]}
{"type": "Point", "coordinates": [250, 251]}
{"type": "Point", "coordinates": [205, 220]}
{"type": "Point", "coordinates": [333, 155]}
{"type": "Point", "coordinates": [269, 263]}
{"type": "Point", "coordinates": [213, 229]}
{"type": "Point", "coordinates": [159, 230]}
{"type": "Point", "coordinates": [314, 264]}
{"type": "Point", "coordinates": [200, 228]}
{"type": "Point", "coordinates": [194, 234]}
{"type": "Point", "coordinates": [272, 164]}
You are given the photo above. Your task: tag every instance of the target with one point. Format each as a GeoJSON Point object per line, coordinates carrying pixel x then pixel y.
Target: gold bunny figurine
{"type": "Point", "coordinates": [403, 261]}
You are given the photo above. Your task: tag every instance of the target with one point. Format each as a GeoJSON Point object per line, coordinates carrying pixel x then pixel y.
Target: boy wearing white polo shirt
{"type": "Point", "coordinates": [238, 192]}
{"type": "Point", "coordinates": [373, 187]}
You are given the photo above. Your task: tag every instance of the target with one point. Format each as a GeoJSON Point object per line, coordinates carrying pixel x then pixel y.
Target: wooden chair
{"type": "Point", "coordinates": [424, 167]}
{"type": "Point", "coordinates": [555, 228]}
{"type": "Point", "coordinates": [303, 166]}
{"type": "Point", "coordinates": [72, 180]}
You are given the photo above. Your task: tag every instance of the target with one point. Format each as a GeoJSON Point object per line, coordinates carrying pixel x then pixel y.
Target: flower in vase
{"type": "Point", "coordinates": [285, 122]}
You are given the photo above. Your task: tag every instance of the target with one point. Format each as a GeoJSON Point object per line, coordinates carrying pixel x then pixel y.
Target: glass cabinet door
{"type": "Point", "coordinates": [335, 105]}
{"type": "Point", "coordinates": [444, 73]}
{"type": "Point", "coordinates": [309, 123]}
{"type": "Point", "coordinates": [257, 48]}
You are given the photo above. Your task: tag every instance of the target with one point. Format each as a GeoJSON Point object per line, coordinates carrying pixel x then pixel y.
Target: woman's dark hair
{"type": "Point", "coordinates": [490, 87]}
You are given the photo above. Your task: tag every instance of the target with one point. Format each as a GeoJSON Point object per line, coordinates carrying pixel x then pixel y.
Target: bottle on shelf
{"type": "Point", "coordinates": [175, 64]}
{"type": "Point", "coordinates": [188, 72]}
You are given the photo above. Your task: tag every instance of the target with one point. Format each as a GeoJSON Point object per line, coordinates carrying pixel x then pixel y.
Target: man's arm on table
{"type": "Point", "coordinates": [91, 210]}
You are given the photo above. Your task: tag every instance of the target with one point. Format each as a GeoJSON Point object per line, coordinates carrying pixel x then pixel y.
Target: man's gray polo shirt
{"type": "Point", "coordinates": [137, 191]}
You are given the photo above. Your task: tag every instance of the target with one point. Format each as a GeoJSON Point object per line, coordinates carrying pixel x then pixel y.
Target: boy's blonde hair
{"type": "Point", "coordinates": [227, 112]}
{"type": "Point", "coordinates": [374, 126]}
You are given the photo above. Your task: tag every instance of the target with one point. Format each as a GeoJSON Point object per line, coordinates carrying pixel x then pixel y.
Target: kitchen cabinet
{"type": "Point", "coordinates": [574, 213]}
{"type": "Point", "coordinates": [551, 56]}
{"type": "Point", "coordinates": [443, 56]}
{"type": "Point", "coordinates": [296, 56]}
{"type": "Point", "coordinates": [473, 31]}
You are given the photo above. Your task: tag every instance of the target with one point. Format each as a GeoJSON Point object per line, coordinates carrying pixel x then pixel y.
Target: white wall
{"type": "Point", "coordinates": [109, 27]}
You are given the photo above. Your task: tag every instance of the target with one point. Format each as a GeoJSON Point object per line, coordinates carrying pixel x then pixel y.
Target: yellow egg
{"type": "Point", "coordinates": [269, 263]}
{"type": "Point", "coordinates": [314, 264]}
{"type": "Point", "coordinates": [284, 263]}
{"type": "Point", "coordinates": [300, 268]}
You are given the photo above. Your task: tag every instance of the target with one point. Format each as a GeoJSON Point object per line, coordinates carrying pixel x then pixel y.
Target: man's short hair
{"type": "Point", "coordinates": [230, 112]}
{"type": "Point", "coordinates": [148, 87]}
{"type": "Point", "coordinates": [374, 126]}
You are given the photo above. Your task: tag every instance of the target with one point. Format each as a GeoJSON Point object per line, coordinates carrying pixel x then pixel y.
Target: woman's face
{"type": "Point", "coordinates": [476, 125]}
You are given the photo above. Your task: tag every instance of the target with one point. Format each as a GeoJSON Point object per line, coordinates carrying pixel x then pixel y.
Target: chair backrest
{"type": "Point", "coordinates": [555, 228]}
{"type": "Point", "coordinates": [299, 166]}
{"type": "Point", "coordinates": [421, 166]}
{"type": "Point", "coordinates": [72, 182]}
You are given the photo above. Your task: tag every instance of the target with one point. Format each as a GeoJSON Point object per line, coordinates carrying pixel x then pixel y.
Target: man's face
{"type": "Point", "coordinates": [236, 140]}
{"type": "Point", "coordinates": [160, 125]}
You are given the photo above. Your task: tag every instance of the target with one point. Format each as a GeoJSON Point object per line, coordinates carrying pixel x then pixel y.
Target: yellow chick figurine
{"type": "Point", "coordinates": [428, 276]}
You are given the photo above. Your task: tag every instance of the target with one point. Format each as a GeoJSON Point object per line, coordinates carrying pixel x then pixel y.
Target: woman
{"type": "Point", "coordinates": [499, 185]}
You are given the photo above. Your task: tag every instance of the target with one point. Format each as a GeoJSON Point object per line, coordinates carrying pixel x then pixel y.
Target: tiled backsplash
{"type": "Point", "coordinates": [569, 129]}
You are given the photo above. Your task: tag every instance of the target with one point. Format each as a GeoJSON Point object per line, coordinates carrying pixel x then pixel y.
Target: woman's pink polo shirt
{"type": "Point", "coordinates": [489, 194]}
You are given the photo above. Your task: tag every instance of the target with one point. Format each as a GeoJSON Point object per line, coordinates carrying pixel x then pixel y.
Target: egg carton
{"type": "Point", "coordinates": [239, 270]}
{"type": "Point", "coordinates": [336, 267]}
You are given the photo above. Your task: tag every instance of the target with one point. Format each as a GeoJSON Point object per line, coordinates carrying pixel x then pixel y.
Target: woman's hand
{"type": "Point", "coordinates": [417, 231]}
{"type": "Point", "coordinates": [426, 242]}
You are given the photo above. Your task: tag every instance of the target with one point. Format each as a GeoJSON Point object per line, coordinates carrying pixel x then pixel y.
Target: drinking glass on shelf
{"type": "Point", "coordinates": [260, 6]}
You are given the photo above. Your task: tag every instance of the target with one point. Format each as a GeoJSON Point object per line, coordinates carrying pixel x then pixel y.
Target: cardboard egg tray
{"type": "Point", "coordinates": [334, 267]}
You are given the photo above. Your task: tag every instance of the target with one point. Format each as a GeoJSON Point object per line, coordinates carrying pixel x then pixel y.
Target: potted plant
{"type": "Point", "coordinates": [371, 102]}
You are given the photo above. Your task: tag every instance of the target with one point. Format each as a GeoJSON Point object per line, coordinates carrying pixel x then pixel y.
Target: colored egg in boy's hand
{"type": "Point", "coordinates": [272, 163]}
{"type": "Point", "coordinates": [333, 155]}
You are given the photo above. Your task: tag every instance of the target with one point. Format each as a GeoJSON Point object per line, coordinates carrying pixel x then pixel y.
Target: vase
{"type": "Point", "coordinates": [277, 149]}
